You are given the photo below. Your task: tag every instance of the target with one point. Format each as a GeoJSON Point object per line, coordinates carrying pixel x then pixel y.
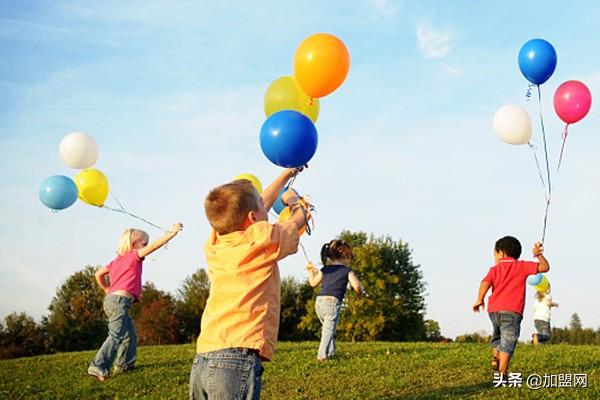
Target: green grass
{"type": "Point", "coordinates": [362, 371]}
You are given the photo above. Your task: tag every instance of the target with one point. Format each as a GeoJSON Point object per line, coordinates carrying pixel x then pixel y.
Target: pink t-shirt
{"type": "Point", "coordinates": [507, 279]}
{"type": "Point", "coordinates": [125, 273]}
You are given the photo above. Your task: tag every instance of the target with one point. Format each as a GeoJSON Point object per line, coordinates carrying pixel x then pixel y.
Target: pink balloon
{"type": "Point", "coordinates": [572, 101]}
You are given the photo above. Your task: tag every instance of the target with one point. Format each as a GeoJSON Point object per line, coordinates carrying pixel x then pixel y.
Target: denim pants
{"type": "Point", "coordinates": [542, 329]}
{"type": "Point", "coordinates": [328, 310]}
{"type": "Point", "coordinates": [121, 344]}
{"type": "Point", "coordinates": [507, 328]}
{"type": "Point", "coordinates": [226, 374]}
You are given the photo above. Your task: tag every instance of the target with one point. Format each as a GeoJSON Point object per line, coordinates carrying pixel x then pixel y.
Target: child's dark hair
{"type": "Point", "coordinates": [335, 250]}
{"type": "Point", "coordinates": [510, 246]}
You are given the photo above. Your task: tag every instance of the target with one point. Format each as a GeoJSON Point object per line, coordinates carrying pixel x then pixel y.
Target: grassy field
{"type": "Point", "coordinates": [362, 371]}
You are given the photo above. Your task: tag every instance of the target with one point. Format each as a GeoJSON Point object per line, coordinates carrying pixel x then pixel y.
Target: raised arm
{"type": "Point", "coordinates": [355, 283]}
{"type": "Point", "coordinates": [160, 242]}
{"type": "Point", "coordinates": [270, 194]}
{"type": "Point", "coordinates": [100, 275]}
{"type": "Point", "coordinates": [315, 276]}
{"type": "Point", "coordinates": [538, 252]}
{"type": "Point", "coordinates": [483, 289]}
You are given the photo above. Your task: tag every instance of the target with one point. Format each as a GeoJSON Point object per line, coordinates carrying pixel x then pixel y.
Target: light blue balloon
{"type": "Point", "coordinates": [534, 280]}
{"type": "Point", "coordinates": [58, 192]}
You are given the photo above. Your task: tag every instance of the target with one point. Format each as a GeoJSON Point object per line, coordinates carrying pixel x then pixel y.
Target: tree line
{"type": "Point", "coordinates": [392, 309]}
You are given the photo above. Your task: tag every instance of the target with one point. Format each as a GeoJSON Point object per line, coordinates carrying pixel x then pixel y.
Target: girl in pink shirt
{"type": "Point", "coordinates": [125, 273]}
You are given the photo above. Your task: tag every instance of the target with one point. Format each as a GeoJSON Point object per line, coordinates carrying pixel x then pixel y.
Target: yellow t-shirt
{"type": "Point", "coordinates": [243, 306]}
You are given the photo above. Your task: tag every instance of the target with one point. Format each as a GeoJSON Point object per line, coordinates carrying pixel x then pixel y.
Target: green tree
{"type": "Point", "coordinates": [575, 323]}
{"type": "Point", "coordinates": [76, 320]}
{"type": "Point", "coordinates": [21, 336]}
{"type": "Point", "coordinates": [394, 304]}
{"type": "Point", "coordinates": [191, 303]}
{"type": "Point", "coordinates": [294, 296]}
{"type": "Point", "coordinates": [432, 330]}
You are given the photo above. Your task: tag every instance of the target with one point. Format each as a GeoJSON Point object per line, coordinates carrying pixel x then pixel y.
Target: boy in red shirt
{"type": "Point", "coordinates": [505, 308]}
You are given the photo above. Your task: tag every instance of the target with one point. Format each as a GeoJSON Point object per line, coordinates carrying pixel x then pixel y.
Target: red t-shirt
{"type": "Point", "coordinates": [507, 279]}
{"type": "Point", "coordinates": [125, 273]}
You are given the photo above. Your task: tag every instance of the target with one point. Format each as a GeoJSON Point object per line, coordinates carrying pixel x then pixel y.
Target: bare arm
{"type": "Point", "coordinates": [160, 242]}
{"type": "Point", "coordinates": [100, 275]}
{"type": "Point", "coordinates": [315, 276]}
{"type": "Point", "coordinates": [270, 194]}
{"type": "Point", "coordinates": [483, 289]}
{"type": "Point", "coordinates": [538, 252]}
{"type": "Point", "coordinates": [355, 283]}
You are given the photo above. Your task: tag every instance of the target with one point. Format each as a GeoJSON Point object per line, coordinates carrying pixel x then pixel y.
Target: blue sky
{"type": "Point", "coordinates": [173, 91]}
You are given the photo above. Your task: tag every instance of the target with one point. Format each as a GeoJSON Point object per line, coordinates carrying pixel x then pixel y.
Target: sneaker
{"type": "Point", "coordinates": [96, 373]}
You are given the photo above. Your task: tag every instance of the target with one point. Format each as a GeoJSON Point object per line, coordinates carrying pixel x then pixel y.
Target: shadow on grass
{"type": "Point", "coordinates": [450, 392]}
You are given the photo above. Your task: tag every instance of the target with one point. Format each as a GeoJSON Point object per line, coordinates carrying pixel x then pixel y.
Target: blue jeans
{"type": "Point", "coordinates": [507, 328]}
{"type": "Point", "coordinates": [542, 329]}
{"type": "Point", "coordinates": [226, 374]}
{"type": "Point", "coordinates": [328, 310]}
{"type": "Point", "coordinates": [121, 344]}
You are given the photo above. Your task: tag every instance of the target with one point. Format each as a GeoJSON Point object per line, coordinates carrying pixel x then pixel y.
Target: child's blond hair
{"type": "Point", "coordinates": [128, 238]}
{"type": "Point", "coordinates": [539, 295]}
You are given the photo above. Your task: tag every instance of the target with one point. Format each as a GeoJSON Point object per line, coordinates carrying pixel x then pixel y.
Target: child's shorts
{"type": "Point", "coordinates": [543, 330]}
{"type": "Point", "coordinates": [507, 328]}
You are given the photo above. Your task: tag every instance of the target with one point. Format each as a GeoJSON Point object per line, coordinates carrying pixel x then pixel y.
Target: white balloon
{"type": "Point", "coordinates": [512, 124]}
{"type": "Point", "coordinates": [78, 150]}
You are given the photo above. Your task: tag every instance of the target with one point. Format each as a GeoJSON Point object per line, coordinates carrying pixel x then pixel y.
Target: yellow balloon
{"type": "Point", "coordinates": [92, 185]}
{"type": "Point", "coordinates": [285, 94]}
{"type": "Point", "coordinates": [286, 214]}
{"type": "Point", "coordinates": [543, 285]}
{"type": "Point", "coordinates": [253, 179]}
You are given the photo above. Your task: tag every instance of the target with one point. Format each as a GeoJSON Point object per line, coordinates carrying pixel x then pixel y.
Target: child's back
{"type": "Point", "coordinates": [243, 307]}
{"type": "Point", "coordinates": [241, 319]}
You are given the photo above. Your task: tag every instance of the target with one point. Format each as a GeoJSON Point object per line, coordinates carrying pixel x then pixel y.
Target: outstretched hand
{"type": "Point", "coordinates": [478, 305]}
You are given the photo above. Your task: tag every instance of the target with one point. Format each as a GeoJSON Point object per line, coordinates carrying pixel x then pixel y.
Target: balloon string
{"type": "Point", "coordinates": [545, 220]}
{"type": "Point", "coordinates": [545, 144]}
{"type": "Point", "coordinates": [528, 93]}
{"type": "Point", "coordinates": [549, 197]}
{"type": "Point", "coordinates": [304, 251]}
{"type": "Point", "coordinates": [292, 181]}
{"type": "Point", "coordinates": [539, 169]}
{"type": "Point", "coordinates": [122, 210]}
{"type": "Point", "coordinates": [562, 147]}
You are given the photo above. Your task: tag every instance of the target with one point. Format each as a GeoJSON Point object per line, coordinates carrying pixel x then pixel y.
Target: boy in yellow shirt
{"type": "Point", "coordinates": [241, 319]}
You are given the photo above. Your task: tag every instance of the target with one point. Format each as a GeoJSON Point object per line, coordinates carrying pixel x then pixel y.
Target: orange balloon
{"type": "Point", "coordinates": [321, 64]}
{"type": "Point", "coordinates": [286, 214]}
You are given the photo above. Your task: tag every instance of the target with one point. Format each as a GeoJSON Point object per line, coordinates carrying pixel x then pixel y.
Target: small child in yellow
{"type": "Point", "coordinates": [241, 319]}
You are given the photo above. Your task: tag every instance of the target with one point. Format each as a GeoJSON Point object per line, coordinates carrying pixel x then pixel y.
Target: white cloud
{"type": "Point", "coordinates": [384, 7]}
{"type": "Point", "coordinates": [434, 42]}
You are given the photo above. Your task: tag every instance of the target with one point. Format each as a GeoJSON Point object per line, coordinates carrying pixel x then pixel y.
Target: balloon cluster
{"type": "Point", "coordinates": [572, 99]}
{"type": "Point", "coordinates": [539, 282]}
{"type": "Point", "coordinates": [288, 137]}
{"type": "Point", "coordinates": [80, 151]}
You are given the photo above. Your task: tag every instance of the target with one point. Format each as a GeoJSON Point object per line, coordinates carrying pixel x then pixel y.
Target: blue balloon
{"type": "Point", "coordinates": [534, 280]}
{"type": "Point", "coordinates": [278, 206]}
{"type": "Point", "coordinates": [537, 61]}
{"type": "Point", "coordinates": [58, 192]}
{"type": "Point", "coordinates": [288, 139]}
